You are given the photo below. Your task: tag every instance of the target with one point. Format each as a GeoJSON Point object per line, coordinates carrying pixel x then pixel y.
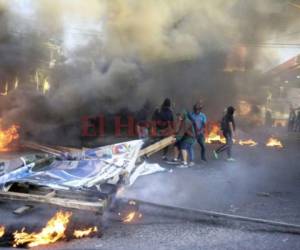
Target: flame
{"type": "Point", "coordinates": [52, 232]}
{"type": "Point", "coordinates": [249, 142]}
{"type": "Point", "coordinates": [214, 135]}
{"type": "Point", "coordinates": [273, 142]}
{"type": "Point", "coordinates": [132, 216]}
{"type": "Point", "coordinates": [2, 231]}
{"type": "Point", "coordinates": [7, 136]}
{"type": "Point", "coordinates": [46, 86]}
{"type": "Point", "coordinates": [85, 232]}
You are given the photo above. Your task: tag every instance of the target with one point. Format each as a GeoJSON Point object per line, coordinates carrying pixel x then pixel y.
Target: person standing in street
{"type": "Point", "coordinates": [228, 128]}
{"type": "Point", "coordinates": [185, 138]}
{"type": "Point", "coordinates": [164, 122]}
{"type": "Point", "coordinates": [199, 121]}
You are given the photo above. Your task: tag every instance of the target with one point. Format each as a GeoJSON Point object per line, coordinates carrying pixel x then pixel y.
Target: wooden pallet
{"type": "Point", "coordinates": [93, 202]}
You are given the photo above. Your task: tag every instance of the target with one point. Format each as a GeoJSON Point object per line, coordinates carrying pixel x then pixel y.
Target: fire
{"type": "Point", "coordinates": [7, 136]}
{"type": "Point", "coordinates": [214, 135]}
{"type": "Point", "coordinates": [52, 232]}
{"type": "Point", "coordinates": [132, 216]}
{"type": "Point", "coordinates": [249, 142]}
{"type": "Point", "coordinates": [2, 231]}
{"type": "Point", "coordinates": [273, 142]}
{"type": "Point", "coordinates": [85, 232]}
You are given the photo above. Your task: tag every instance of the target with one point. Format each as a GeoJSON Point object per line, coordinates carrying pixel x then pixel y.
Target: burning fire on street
{"type": "Point", "coordinates": [132, 217]}
{"type": "Point", "coordinates": [7, 136]}
{"type": "Point", "coordinates": [273, 142]}
{"type": "Point", "coordinates": [85, 232]}
{"type": "Point", "coordinates": [250, 143]}
{"type": "Point", "coordinates": [54, 231]}
{"type": "Point", "coordinates": [2, 231]}
{"type": "Point", "coordinates": [214, 136]}
{"type": "Point", "coordinates": [129, 213]}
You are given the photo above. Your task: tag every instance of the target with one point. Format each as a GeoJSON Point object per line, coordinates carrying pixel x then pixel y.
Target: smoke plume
{"type": "Point", "coordinates": [105, 56]}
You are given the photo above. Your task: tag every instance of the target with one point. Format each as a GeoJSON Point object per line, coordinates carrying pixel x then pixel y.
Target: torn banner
{"type": "Point", "coordinates": [96, 166]}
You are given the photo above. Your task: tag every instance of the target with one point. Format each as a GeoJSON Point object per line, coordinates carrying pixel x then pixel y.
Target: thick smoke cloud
{"type": "Point", "coordinates": [119, 54]}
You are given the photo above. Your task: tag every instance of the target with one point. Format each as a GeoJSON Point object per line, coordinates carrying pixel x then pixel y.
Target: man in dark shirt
{"type": "Point", "coordinates": [292, 119]}
{"type": "Point", "coordinates": [298, 122]}
{"type": "Point", "coordinates": [228, 128]}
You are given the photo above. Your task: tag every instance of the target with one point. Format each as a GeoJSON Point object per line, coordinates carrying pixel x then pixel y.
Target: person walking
{"type": "Point", "coordinates": [228, 129]}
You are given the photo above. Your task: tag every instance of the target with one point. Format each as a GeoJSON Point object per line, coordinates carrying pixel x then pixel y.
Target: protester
{"type": "Point", "coordinates": [142, 125]}
{"type": "Point", "coordinates": [268, 118]}
{"type": "Point", "coordinates": [179, 133]}
{"type": "Point", "coordinates": [297, 129]}
{"type": "Point", "coordinates": [185, 138]}
{"type": "Point", "coordinates": [163, 120]}
{"type": "Point", "coordinates": [199, 121]}
{"type": "Point", "coordinates": [228, 129]}
{"type": "Point", "coordinates": [292, 119]}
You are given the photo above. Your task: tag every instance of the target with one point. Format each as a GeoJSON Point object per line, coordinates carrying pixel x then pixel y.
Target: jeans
{"type": "Point", "coordinates": [227, 146]}
{"type": "Point", "coordinates": [191, 152]}
{"type": "Point", "coordinates": [189, 148]}
{"type": "Point", "coordinates": [201, 141]}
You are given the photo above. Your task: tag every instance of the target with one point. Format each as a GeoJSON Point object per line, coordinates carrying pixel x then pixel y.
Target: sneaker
{"type": "Point", "coordinates": [164, 158]}
{"type": "Point", "coordinates": [231, 159]}
{"type": "Point", "coordinates": [215, 154]}
{"type": "Point", "coordinates": [184, 165]}
{"type": "Point", "coordinates": [191, 164]}
{"type": "Point", "coordinates": [174, 161]}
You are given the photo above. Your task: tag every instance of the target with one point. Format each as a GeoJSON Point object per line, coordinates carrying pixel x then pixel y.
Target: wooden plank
{"type": "Point", "coordinates": [22, 210]}
{"type": "Point", "coordinates": [42, 148]}
{"type": "Point", "coordinates": [96, 206]}
{"type": "Point", "coordinates": [69, 149]}
{"type": "Point", "coordinates": [157, 146]}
